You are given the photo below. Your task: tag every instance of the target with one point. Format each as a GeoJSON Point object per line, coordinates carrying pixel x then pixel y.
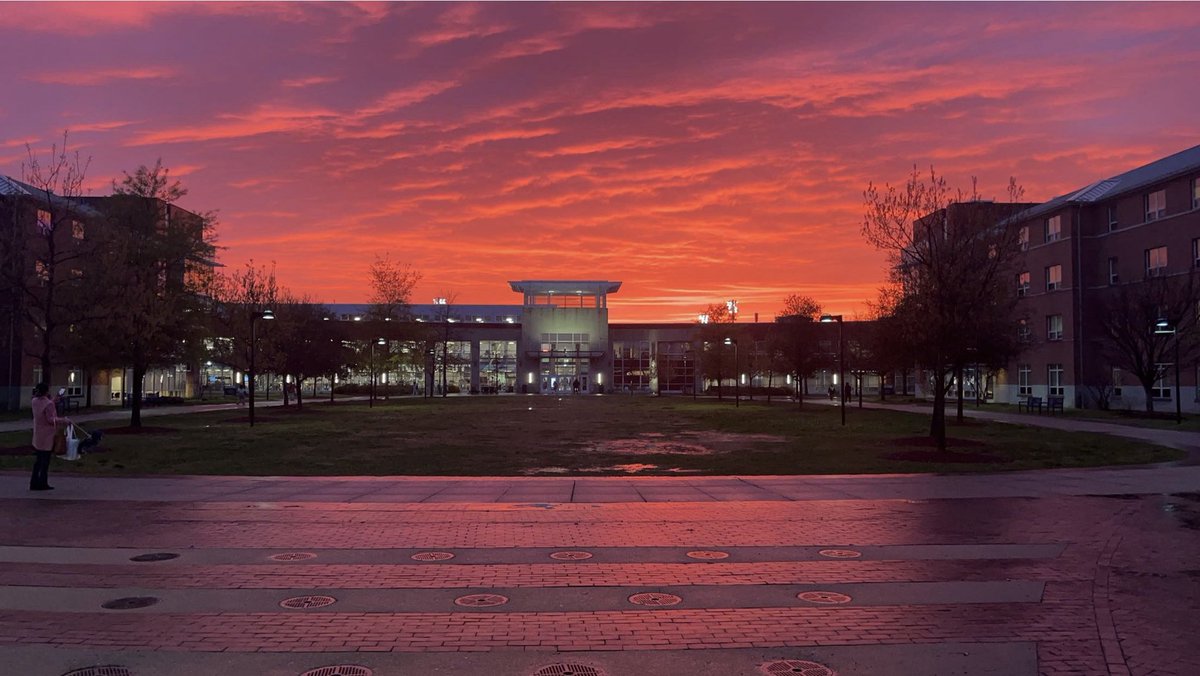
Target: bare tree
{"type": "Point", "coordinates": [951, 255]}
{"type": "Point", "coordinates": [1129, 318]}
{"type": "Point", "coordinates": [155, 266]}
{"type": "Point", "coordinates": [392, 284]}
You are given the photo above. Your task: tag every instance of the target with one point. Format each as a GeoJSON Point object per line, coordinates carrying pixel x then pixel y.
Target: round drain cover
{"type": "Point", "coordinates": [840, 553]}
{"type": "Point", "coordinates": [293, 556]}
{"type": "Point", "coordinates": [481, 600]}
{"type": "Point", "coordinates": [654, 599]}
{"type": "Point", "coordinates": [157, 556]}
{"type": "Point", "coordinates": [129, 603]}
{"type": "Point", "coordinates": [571, 556]}
{"type": "Point", "coordinates": [802, 667]}
{"type": "Point", "coordinates": [107, 670]}
{"type": "Point", "coordinates": [707, 555]}
{"type": "Point", "coordinates": [826, 597]}
{"type": "Point", "coordinates": [568, 670]}
{"type": "Point", "coordinates": [339, 670]}
{"type": "Point", "coordinates": [311, 601]}
{"type": "Point", "coordinates": [432, 556]}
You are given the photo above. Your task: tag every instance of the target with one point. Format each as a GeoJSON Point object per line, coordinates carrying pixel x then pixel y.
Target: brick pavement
{"type": "Point", "coordinates": [1117, 573]}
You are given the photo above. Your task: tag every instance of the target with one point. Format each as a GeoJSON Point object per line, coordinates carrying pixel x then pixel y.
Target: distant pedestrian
{"type": "Point", "coordinates": [575, 386]}
{"type": "Point", "coordinates": [45, 428]}
{"type": "Point", "coordinates": [849, 392]}
{"type": "Point", "coordinates": [831, 392]}
{"type": "Point", "coordinates": [241, 395]}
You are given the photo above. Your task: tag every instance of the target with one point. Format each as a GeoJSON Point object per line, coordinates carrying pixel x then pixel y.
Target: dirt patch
{"type": "Point", "coordinates": [946, 456]}
{"type": "Point", "coordinates": [139, 430]}
{"type": "Point", "coordinates": [929, 442]}
{"type": "Point", "coordinates": [683, 443]}
{"type": "Point", "coordinates": [17, 450]}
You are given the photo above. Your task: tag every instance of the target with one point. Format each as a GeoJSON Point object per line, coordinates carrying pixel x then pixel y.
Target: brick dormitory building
{"type": "Point", "coordinates": [1082, 251]}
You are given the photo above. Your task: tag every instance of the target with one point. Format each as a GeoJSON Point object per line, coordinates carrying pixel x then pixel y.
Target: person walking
{"type": "Point", "coordinates": [45, 426]}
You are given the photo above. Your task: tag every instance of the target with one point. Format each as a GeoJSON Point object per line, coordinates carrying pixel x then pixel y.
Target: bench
{"type": "Point", "coordinates": [1031, 403]}
{"type": "Point", "coordinates": [1054, 404]}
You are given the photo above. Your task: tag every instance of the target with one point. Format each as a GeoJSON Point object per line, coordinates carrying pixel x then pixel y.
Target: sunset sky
{"type": "Point", "coordinates": [696, 152]}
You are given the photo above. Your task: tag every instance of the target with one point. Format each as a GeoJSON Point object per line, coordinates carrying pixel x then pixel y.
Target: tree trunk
{"type": "Point", "coordinates": [770, 383]}
{"type": "Point", "coordinates": [331, 384]}
{"type": "Point", "coordinates": [286, 398]}
{"type": "Point", "coordinates": [299, 404]}
{"type": "Point", "coordinates": [1148, 388]}
{"type": "Point", "coordinates": [135, 402]}
{"type": "Point", "coordinates": [937, 428]}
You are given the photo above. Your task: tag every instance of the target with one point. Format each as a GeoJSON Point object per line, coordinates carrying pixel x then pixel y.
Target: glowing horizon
{"type": "Point", "coordinates": [696, 152]}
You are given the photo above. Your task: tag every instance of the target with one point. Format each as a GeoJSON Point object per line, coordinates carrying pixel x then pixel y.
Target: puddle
{"type": "Point", "coordinates": [682, 443]}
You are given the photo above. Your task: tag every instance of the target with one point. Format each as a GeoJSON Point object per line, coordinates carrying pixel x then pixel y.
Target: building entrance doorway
{"type": "Point", "coordinates": [560, 375]}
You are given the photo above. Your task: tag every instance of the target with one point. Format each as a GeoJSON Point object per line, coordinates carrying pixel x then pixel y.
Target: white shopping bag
{"type": "Point", "coordinates": [72, 444]}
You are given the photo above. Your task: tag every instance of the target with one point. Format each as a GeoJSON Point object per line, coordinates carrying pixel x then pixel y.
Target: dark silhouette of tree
{"type": "Point", "coordinates": [1128, 319]}
{"type": "Point", "coordinates": [952, 256]}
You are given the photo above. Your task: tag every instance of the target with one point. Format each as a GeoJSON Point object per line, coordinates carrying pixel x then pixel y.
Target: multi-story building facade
{"type": "Point", "coordinates": [1085, 250]}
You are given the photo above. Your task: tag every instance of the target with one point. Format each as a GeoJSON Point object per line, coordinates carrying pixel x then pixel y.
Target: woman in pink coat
{"type": "Point", "coordinates": [45, 424]}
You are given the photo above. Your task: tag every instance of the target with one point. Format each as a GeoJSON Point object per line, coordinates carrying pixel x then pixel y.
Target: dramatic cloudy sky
{"type": "Point", "coordinates": [696, 152]}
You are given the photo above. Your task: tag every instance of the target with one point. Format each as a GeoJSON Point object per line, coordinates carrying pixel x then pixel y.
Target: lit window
{"type": "Point", "coordinates": [1053, 228]}
{"type": "Point", "coordinates": [1054, 327]}
{"type": "Point", "coordinates": [1113, 277]}
{"type": "Point", "coordinates": [45, 224]}
{"type": "Point", "coordinates": [1023, 237]}
{"type": "Point", "coordinates": [76, 229]}
{"type": "Point", "coordinates": [1053, 277]}
{"type": "Point", "coordinates": [1156, 205]}
{"type": "Point", "coordinates": [1023, 284]}
{"type": "Point", "coordinates": [42, 272]}
{"type": "Point", "coordinates": [1023, 373]}
{"type": "Point", "coordinates": [1024, 335]}
{"type": "Point", "coordinates": [1054, 380]}
{"type": "Point", "coordinates": [1112, 218]}
{"type": "Point", "coordinates": [1156, 261]}
{"type": "Point", "coordinates": [1196, 193]}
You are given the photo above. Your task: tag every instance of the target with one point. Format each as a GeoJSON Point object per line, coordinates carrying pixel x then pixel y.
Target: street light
{"type": "Point", "coordinates": [737, 377]}
{"type": "Point", "coordinates": [381, 341]}
{"type": "Point", "coordinates": [266, 315]}
{"type": "Point", "coordinates": [1163, 327]}
{"type": "Point", "coordinates": [826, 319]}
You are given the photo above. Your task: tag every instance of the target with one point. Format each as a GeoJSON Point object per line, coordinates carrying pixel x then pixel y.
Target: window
{"type": "Point", "coordinates": [42, 272]}
{"type": "Point", "coordinates": [1196, 252]}
{"type": "Point", "coordinates": [1053, 277]}
{"type": "Point", "coordinates": [1054, 327]}
{"type": "Point", "coordinates": [1053, 228]}
{"type": "Point", "coordinates": [1054, 380]}
{"type": "Point", "coordinates": [1113, 277]}
{"type": "Point", "coordinates": [75, 383]}
{"type": "Point", "coordinates": [1156, 261]}
{"type": "Point", "coordinates": [1112, 218]}
{"type": "Point", "coordinates": [1023, 284]}
{"type": "Point", "coordinates": [1156, 205]}
{"type": "Point", "coordinates": [1161, 388]}
{"type": "Point", "coordinates": [44, 223]}
{"type": "Point", "coordinates": [76, 230]}
{"type": "Point", "coordinates": [1196, 193]}
{"type": "Point", "coordinates": [1023, 237]}
{"type": "Point", "coordinates": [1023, 373]}
{"type": "Point", "coordinates": [1024, 335]}
{"type": "Point", "coordinates": [1116, 382]}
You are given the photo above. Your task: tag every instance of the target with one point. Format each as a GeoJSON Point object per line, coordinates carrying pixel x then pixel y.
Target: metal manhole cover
{"type": "Point", "coordinates": [654, 599]}
{"type": "Point", "coordinates": [339, 670]}
{"type": "Point", "coordinates": [481, 600]}
{"type": "Point", "coordinates": [432, 556]}
{"type": "Point", "coordinates": [708, 555]}
{"type": "Point", "coordinates": [129, 603]}
{"type": "Point", "coordinates": [571, 556]}
{"type": "Point", "coordinates": [826, 597]}
{"type": "Point", "coordinates": [106, 670]}
{"type": "Point", "coordinates": [802, 667]}
{"type": "Point", "coordinates": [157, 556]}
{"type": "Point", "coordinates": [568, 670]}
{"type": "Point", "coordinates": [840, 553]}
{"type": "Point", "coordinates": [293, 556]}
{"type": "Point", "coordinates": [311, 601]}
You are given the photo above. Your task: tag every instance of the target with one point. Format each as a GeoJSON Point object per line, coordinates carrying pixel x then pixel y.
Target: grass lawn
{"type": "Point", "coordinates": [516, 435]}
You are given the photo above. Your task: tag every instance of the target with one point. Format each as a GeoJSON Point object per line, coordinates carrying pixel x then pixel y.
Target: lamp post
{"type": "Point", "coordinates": [1163, 327]}
{"type": "Point", "coordinates": [266, 315]}
{"type": "Point", "coordinates": [737, 377]}
{"type": "Point", "coordinates": [825, 319]}
{"type": "Point", "coordinates": [380, 341]}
